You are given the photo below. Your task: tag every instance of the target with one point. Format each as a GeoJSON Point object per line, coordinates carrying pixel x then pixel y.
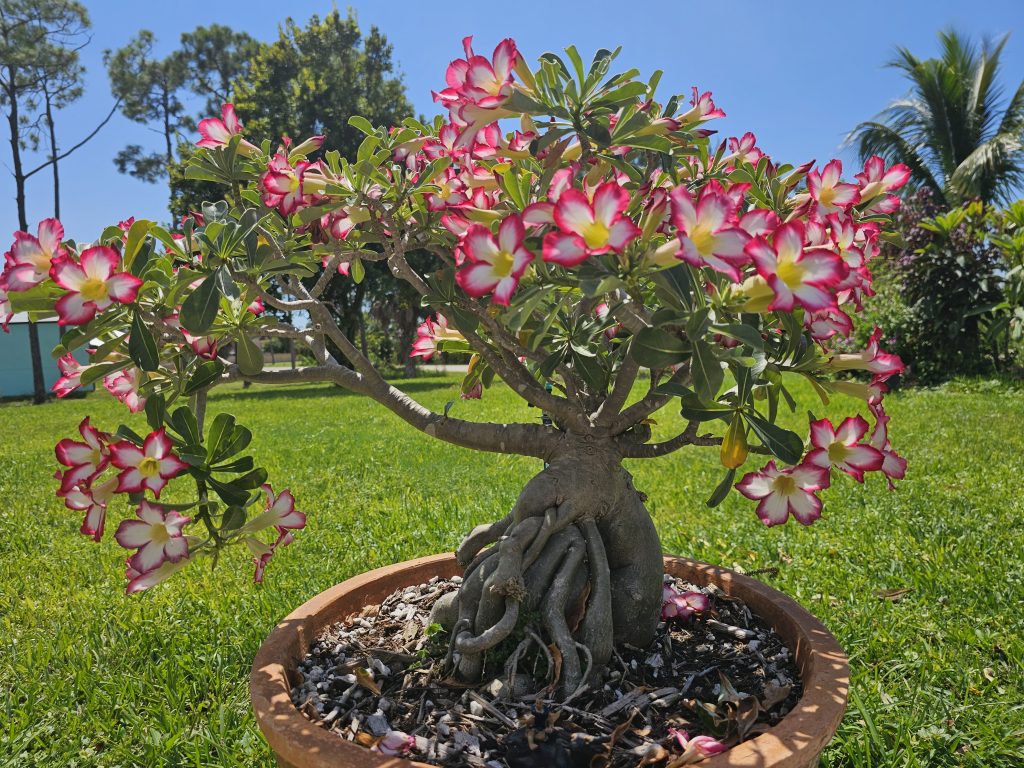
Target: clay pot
{"type": "Point", "coordinates": [795, 742]}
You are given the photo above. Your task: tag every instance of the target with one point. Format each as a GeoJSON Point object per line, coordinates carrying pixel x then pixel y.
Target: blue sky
{"type": "Point", "coordinates": [798, 74]}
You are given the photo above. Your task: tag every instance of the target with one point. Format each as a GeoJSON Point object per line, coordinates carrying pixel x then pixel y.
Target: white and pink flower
{"type": "Point", "coordinates": [894, 466]}
{"type": "Point", "coordinates": [71, 375]}
{"type": "Point", "coordinates": [429, 333]}
{"type": "Point", "coordinates": [157, 535]}
{"type": "Point", "coordinates": [279, 512]}
{"type": "Point", "coordinates": [682, 605]}
{"type": "Point", "coordinates": [872, 359]}
{"type": "Point", "coordinates": [140, 580]}
{"type": "Point", "coordinates": [785, 492]}
{"type": "Point", "coordinates": [695, 749]}
{"type": "Point", "coordinates": [841, 447]}
{"type": "Point", "coordinates": [92, 285]}
{"type": "Point", "coordinates": [589, 228]}
{"type": "Point", "coordinates": [702, 108]}
{"type": "Point", "coordinates": [495, 264]}
{"type": "Point", "coordinates": [94, 502]}
{"type": "Point", "coordinates": [148, 467]}
{"type": "Point", "coordinates": [85, 459]}
{"type": "Point", "coordinates": [124, 385]}
{"type": "Point", "coordinates": [709, 231]}
{"type": "Point", "coordinates": [218, 132]}
{"type": "Point", "coordinates": [31, 258]}
{"type": "Point", "coordinates": [282, 184]}
{"type": "Point", "coordinates": [827, 190]}
{"type": "Point", "coordinates": [796, 275]}
{"type": "Point", "coordinates": [743, 151]}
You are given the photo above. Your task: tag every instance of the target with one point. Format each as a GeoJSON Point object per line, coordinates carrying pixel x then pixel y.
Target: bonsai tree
{"type": "Point", "coordinates": [593, 248]}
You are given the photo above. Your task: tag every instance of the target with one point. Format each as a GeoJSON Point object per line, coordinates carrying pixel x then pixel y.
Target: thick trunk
{"type": "Point", "coordinates": [576, 564]}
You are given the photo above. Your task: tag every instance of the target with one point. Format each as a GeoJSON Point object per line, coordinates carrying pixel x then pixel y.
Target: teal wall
{"type": "Point", "coordinates": [16, 362]}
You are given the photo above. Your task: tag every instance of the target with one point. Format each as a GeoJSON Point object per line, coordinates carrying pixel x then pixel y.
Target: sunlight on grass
{"type": "Point", "coordinates": [89, 677]}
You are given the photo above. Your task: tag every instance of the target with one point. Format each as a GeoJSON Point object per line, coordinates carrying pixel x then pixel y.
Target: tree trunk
{"type": "Point", "coordinates": [406, 338]}
{"type": "Point", "coordinates": [579, 552]}
{"type": "Point", "coordinates": [53, 154]}
{"type": "Point", "coordinates": [38, 383]}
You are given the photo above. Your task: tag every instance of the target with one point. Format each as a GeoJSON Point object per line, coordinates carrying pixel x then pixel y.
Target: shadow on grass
{"type": "Point", "coordinates": [306, 391]}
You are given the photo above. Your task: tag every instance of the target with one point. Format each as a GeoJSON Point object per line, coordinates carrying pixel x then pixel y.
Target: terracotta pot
{"type": "Point", "coordinates": [795, 742]}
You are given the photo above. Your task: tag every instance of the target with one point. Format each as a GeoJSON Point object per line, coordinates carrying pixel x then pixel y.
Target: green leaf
{"type": "Point", "coordinates": [156, 410]}
{"type": "Point", "coordinates": [706, 371]}
{"type": "Point", "coordinates": [220, 430]}
{"type": "Point", "coordinates": [784, 444]}
{"type": "Point", "coordinates": [136, 234]}
{"type": "Point", "coordinates": [655, 348]}
{"type": "Point", "coordinates": [248, 356]}
{"type": "Point", "coordinates": [142, 346]}
{"type": "Point", "coordinates": [234, 518]}
{"type": "Point", "coordinates": [183, 421]}
{"type": "Point", "coordinates": [358, 270]}
{"type": "Point", "coordinates": [360, 123]}
{"type": "Point", "coordinates": [722, 490]}
{"type": "Point", "coordinates": [203, 376]}
{"type": "Point", "coordinates": [742, 333]}
{"type": "Point", "coordinates": [199, 309]}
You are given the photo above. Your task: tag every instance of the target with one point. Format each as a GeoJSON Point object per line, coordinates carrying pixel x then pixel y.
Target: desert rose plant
{"type": "Point", "coordinates": [590, 246]}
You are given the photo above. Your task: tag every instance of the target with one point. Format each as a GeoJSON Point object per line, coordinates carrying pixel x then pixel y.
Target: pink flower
{"type": "Point", "coordinates": [695, 749]}
{"type": "Point", "coordinates": [682, 605]}
{"type": "Point", "coordinates": [709, 231]}
{"type": "Point", "coordinates": [263, 552]}
{"type": "Point", "coordinates": [256, 307]}
{"type": "Point", "coordinates": [826, 323]}
{"type": "Point", "coordinates": [450, 192]}
{"type": "Point", "coordinates": [588, 229]}
{"type": "Point", "coordinates": [86, 459]}
{"type": "Point", "coordinates": [6, 311]}
{"type": "Point", "coordinates": [279, 512]}
{"type": "Point", "coordinates": [30, 259]}
{"type": "Point", "coordinates": [148, 467]}
{"type": "Point", "coordinates": [124, 385]}
{"type": "Point", "coordinates": [703, 108]}
{"type": "Point", "coordinates": [71, 375]}
{"type": "Point", "coordinates": [495, 263]}
{"type": "Point", "coordinates": [795, 275]}
{"type": "Point", "coordinates": [94, 502]}
{"type": "Point", "coordinates": [478, 81]}
{"type": "Point", "coordinates": [429, 333]}
{"type": "Point", "coordinates": [875, 180]}
{"type": "Point", "coordinates": [282, 184]}
{"type": "Point", "coordinates": [894, 466]}
{"type": "Point", "coordinates": [841, 448]}
{"type": "Point", "coordinates": [156, 534]}
{"type": "Point", "coordinates": [828, 193]}
{"type": "Point", "coordinates": [139, 580]}
{"type": "Point", "coordinates": [394, 744]}
{"type": "Point", "coordinates": [785, 492]}
{"type": "Point", "coordinates": [93, 285]}
{"type": "Point", "coordinates": [871, 359]}
{"type": "Point", "coordinates": [744, 150]}
{"type": "Point", "coordinates": [217, 133]}
{"type": "Point", "coordinates": [204, 347]}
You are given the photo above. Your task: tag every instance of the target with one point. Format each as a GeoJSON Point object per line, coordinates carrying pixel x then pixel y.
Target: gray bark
{"type": "Point", "coordinates": [578, 533]}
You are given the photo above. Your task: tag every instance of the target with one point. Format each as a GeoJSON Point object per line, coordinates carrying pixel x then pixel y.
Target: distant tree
{"type": "Point", "coordinates": [311, 80]}
{"type": "Point", "coordinates": [39, 69]}
{"type": "Point", "coordinates": [150, 91]}
{"type": "Point", "coordinates": [215, 58]}
{"type": "Point", "coordinates": [954, 130]}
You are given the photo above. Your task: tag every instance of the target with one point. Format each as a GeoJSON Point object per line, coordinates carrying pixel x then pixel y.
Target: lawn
{"type": "Point", "coordinates": [89, 677]}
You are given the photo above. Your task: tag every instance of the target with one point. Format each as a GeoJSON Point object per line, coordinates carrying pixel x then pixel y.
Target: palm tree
{"type": "Point", "coordinates": [953, 128]}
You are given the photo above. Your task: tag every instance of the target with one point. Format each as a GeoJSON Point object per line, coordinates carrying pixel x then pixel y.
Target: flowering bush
{"type": "Point", "coordinates": [604, 235]}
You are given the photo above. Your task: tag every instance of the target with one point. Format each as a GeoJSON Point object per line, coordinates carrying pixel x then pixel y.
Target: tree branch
{"type": "Point", "coordinates": [522, 439]}
{"type": "Point", "coordinates": [67, 152]}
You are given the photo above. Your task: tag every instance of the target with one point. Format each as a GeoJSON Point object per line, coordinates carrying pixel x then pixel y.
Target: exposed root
{"type": "Point", "coordinates": [577, 558]}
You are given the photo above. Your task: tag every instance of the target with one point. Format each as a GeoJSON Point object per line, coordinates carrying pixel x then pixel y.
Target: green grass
{"type": "Point", "coordinates": [89, 677]}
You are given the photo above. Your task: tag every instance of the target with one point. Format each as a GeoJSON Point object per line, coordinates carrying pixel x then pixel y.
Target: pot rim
{"type": "Point", "coordinates": [795, 742]}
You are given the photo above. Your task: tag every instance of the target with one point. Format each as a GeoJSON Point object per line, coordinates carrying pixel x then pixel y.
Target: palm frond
{"type": "Point", "coordinates": [874, 138]}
